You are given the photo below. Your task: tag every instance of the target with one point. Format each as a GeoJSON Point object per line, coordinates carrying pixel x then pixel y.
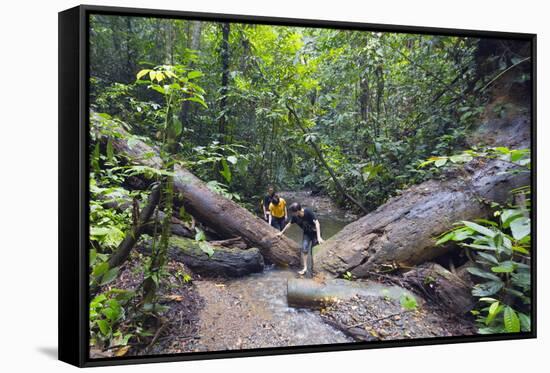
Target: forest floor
{"type": "Point", "coordinates": [377, 318]}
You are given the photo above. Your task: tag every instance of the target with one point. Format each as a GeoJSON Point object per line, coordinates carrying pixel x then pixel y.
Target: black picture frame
{"type": "Point", "coordinates": [73, 183]}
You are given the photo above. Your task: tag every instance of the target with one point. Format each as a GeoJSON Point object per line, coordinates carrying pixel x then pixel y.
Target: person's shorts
{"type": "Point", "coordinates": [307, 243]}
{"type": "Point", "coordinates": [278, 223]}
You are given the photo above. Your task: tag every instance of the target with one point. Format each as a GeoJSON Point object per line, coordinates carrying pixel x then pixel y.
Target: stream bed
{"type": "Point", "coordinates": [252, 312]}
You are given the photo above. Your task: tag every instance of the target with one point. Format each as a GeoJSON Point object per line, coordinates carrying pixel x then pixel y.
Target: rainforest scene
{"type": "Point", "coordinates": [262, 186]}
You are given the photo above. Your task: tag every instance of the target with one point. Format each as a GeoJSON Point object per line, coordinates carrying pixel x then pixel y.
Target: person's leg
{"type": "Point", "coordinates": [306, 245]}
{"type": "Point", "coordinates": [281, 223]}
{"type": "Point", "coordinates": [304, 258]}
{"type": "Point", "coordinates": [309, 271]}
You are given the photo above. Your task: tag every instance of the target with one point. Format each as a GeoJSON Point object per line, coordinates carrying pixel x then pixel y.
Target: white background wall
{"type": "Point", "coordinates": [28, 183]}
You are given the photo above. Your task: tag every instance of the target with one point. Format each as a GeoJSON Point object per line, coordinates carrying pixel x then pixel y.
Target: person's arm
{"type": "Point", "coordinates": [284, 229]}
{"type": "Point", "coordinates": [286, 214]}
{"type": "Point", "coordinates": [318, 229]}
{"type": "Point", "coordinates": [269, 219]}
{"type": "Point", "coordinates": [265, 211]}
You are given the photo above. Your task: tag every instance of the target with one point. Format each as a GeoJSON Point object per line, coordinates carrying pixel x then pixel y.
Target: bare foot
{"type": "Point", "coordinates": [302, 271]}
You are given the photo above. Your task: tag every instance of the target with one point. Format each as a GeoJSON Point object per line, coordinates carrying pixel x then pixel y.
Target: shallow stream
{"type": "Point", "coordinates": [252, 312]}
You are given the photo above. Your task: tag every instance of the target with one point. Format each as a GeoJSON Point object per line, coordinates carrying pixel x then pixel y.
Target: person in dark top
{"type": "Point", "coordinates": [267, 200]}
{"type": "Point", "coordinates": [306, 219]}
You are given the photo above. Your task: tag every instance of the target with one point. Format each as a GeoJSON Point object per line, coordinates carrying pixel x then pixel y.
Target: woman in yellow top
{"type": "Point", "coordinates": [277, 212]}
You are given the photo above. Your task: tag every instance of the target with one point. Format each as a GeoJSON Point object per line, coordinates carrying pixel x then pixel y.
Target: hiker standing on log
{"type": "Point", "coordinates": [267, 200]}
{"type": "Point", "coordinates": [306, 219]}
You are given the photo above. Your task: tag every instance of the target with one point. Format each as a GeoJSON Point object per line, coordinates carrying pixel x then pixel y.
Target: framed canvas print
{"type": "Point", "coordinates": [234, 186]}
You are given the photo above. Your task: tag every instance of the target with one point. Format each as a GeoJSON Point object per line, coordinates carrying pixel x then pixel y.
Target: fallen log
{"type": "Point", "coordinates": [177, 227]}
{"type": "Point", "coordinates": [224, 216]}
{"type": "Point", "coordinates": [222, 261]}
{"type": "Point", "coordinates": [235, 242]}
{"type": "Point", "coordinates": [442, 287]}
{"type": "Point", "coordinates": [313, 294]}
{"type": "Point", "coordinates": [401, 232]}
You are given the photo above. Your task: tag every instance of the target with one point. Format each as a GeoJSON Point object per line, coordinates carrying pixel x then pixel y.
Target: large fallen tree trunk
{"type": "Point", "coordinates": [208, 260]}
{"type": "Point", "coordinates": [224, 216]}
{"type": "Point", "coordinates": [401, 232]}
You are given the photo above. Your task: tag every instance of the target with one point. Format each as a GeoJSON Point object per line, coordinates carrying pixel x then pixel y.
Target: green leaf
{"type": "Point", "coordinates": [478, 247]}
{"type": "Point", "coordinates": [109, 276]}
{"type": "Point", "coordinates": [99, 231]}
{"type": "Point", "coordinates": [447, 237]}
{"type": "Point", "coordinates": [158, 88]}
{"type": "Point", "coordinates": [200, 236]}
{"type": "Point", "coordinates": [521, 227]}
{"type": "Point", "coordinates": [525, 322]}
{"type": "Point", "coordinates": [487, 288]}
{"type": "Point", "coordinates": [206, 248]}
{"type": "Point", "coordinates": [511, 320]}
{"type": "Point", "coordinates": [197, 99]}
{"type": "Point", "coordinates": [194, 74]}
{"type": "Point", "coordinates": [226, 172]}
{"type": "Point", "coordinates": [494, 309]}
{"type": "Point", "coordinates": [522, 279]}
{"type": "Point", "coordinates": [508, 215]}
{"type": "Point", "coordinates": [110, 152]}
{"type": "Point", "coordinates": [481, 273]}
{"type": "Point", "coordinates": [176, 128]}
{"type": "Point", "coordinates": [504, 267]}
{"type": "Point", "coordinates": [104, 327]}
{"type": "Point", "coordinates": [232, 159]}
{"type": "Point", "coordinates": [490, 258]}
{"type": "Point", "coordinates": [479, 228]}
{"type": "Point", "coordinates": [440, 162]}
{"type": "Point", "coordinates": [100, 269]}
{"type": "Point", "coordinates": [95, 159]}
{"type": "Point", "coordinates": [520, 250]}
{"type": "Point", "coordinates": [142, 73]}
{"type": "Point", "coordinates": [408, 302]}
{"type": "Point", "coordinates": [110, 313]}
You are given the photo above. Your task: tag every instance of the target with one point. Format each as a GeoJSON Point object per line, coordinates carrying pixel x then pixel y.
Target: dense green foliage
{"type": "Point", "coordinates": [374, 104]}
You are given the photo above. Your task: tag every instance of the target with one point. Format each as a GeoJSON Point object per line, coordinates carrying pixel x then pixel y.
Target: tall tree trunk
{"type": "Point", "coordinates": [224, 54]}
{"type": "Point", "coordinates": [194, 38]}
{"type": "Point", "coordinates": [379, 96]}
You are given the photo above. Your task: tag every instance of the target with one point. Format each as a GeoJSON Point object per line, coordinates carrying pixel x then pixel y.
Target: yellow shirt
{"type": "Point", "coordinates": [279, 210]}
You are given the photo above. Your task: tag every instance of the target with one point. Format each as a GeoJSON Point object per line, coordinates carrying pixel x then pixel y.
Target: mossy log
{"type": "Point", "coordinates": [208, 260]}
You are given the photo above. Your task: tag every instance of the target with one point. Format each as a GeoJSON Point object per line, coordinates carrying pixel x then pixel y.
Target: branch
{"type": "Point", "coordinates": [132, 236]}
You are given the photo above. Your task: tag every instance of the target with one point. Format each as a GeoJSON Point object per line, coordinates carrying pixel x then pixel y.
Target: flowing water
{"type": "Point", "coordinates": [252, 312]}
{"type": "Point", "coordinates": [331, 218]}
